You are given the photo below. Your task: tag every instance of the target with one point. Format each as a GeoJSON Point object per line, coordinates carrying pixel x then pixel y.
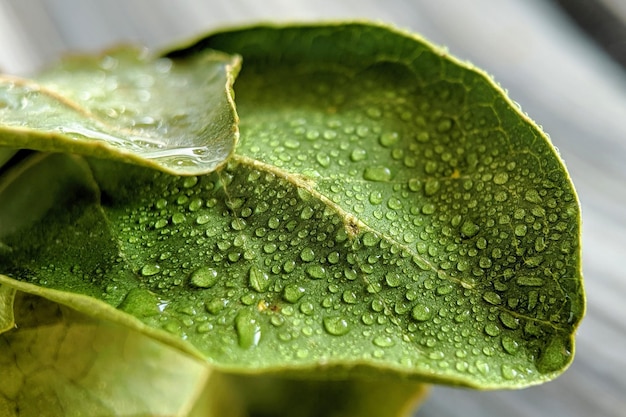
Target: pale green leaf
{"type": "Point", "coordinates": [388, 209]}
{"type": "Point", "coordinates": [58, 362]}
{"type": "Point", "coordinates": [176, 115]}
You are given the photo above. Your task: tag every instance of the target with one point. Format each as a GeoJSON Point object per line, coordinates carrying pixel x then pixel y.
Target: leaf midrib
{"type": "Point", "coordinates": [350, 221]}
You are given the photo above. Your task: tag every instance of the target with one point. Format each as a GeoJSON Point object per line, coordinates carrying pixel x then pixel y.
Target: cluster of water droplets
{"type": "Point", "coordinates": [176, 113]}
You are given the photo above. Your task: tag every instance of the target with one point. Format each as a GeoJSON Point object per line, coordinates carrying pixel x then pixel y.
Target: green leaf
{"type": "Point", "coordinates": [378, 396]}
{"type": "Point", "coordinates": [94, 368]}
{"type": "Point", "coordinates": [388, 210]}
{"type": "Point", "coordinates": [176, 115]}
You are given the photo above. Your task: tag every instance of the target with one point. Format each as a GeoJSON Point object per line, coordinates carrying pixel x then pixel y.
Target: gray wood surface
{"type": "Point", "coordinates": [562, 81]}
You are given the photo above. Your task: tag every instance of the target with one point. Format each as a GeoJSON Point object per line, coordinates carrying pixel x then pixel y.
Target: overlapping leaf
{"type": "Point", "coordinates": [90, 368]}
{"type": "Point", "coordinates": [173, 115]}
{"type": "Point", "coordinates": [387, 208]}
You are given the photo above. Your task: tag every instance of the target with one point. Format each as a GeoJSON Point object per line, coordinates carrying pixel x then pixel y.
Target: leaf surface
{"type": "Point", "coordinates": [388, 209]}
{"type": "Point", "coordinates": [174, 115]}
{"type": "Point", "coordinates": [95, 368]}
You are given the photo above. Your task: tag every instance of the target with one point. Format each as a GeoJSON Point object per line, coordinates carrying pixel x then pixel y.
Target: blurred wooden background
{"type": "Point", "coordinates": [563, 80]}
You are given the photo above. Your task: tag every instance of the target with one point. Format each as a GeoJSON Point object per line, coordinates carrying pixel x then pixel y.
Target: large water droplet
{"type": "Point", "coordinates": [258, 279]}
{"type": "Point", "coordinates": [421, 313]}
{"type": "Point", "coordinates": [248, 329]}
{"type": "Point", "coordinates": [203, 277]}
{"type": "Point", "coordinates": [140, 302]}
{"type": "Point", "coordinates": [307, 254]}
{"type": "Point", "coordinates": [337, 326]}
{"type": "Point", "coordinates": [292, 293]}
{"type": "Point", "coordinates": [316, 271]}
{"type": "Point", "coordinates": [469, 229]}
{"type": "Point", "coordinates": [431, 187]}
{"type": "Point", "coordinates": [389, 139]}
{"type": "Point", "coordinates": [377, 173]}
{"type": "Point", "coordinates": [150, 269]}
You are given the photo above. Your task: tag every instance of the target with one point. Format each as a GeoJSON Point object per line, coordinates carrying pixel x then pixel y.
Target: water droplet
{"type": "Point", "coordinates": [292, 293]}
{"type": "Point", "coordinates": [469, 229]}
{"type": "Point", "coordinates": [323, 159]}
{"type": "Point", "coordinates": [492, 329]}
{"type": "Point", "coordinates": [358, 154]}
{"type": "Point", "coordinates": [307, 254]}
{"type": "Point", "coordinates": [509, 321]}
{"type": "Point", "coordinates": [444, 125]}
{"type": "Point", "coordinates": [415, 184]}
{"type": "Point", "coordinates": [150, 269]}
{"type": "Point", "coordinates": [501, 178]}
{"type": "Point", "coordinates": [203, 277]}
{"type": "Point", "coordinates": [349, 297]}
{"type": "Point", "coordinates": [422, 137]}
{"type": "Point", "coordinates": [161, 223]}
{"type": "Point", "coordinates": [421, 313]}
{"type": "Point", "coordinates": [492, 298]}
{"type": "Point", "coordinates": [306, 213]}
{"type": "Point", "coordinates": [258, 279]}
{"type": "Point", "coordinates": [431, 187]}
{"type": "Point", "coordinates": [215, 305]}
{"type": "Point", "coordinates": [337, 326]}
{"type": "Point", "coordinates": [389, 139]}
{"type": "Point", "coordinates": [520, 230]}
{"type": "Point", "coordinates": [532, 196]}
{"type": "Point", "coordinates": [248, 329]}
{"type": "Point", "coordinates": [377, 173]}
{"type": "Point", "coordinates": [384, 341]}
{"type": "Point", "coordinates": [178, 218]}
{"type": "Point", "coordinates": [140, 302]}
{"type": "Point", "coordinates": [190, 182]}
{"type": "Point", "coordinates": [510, 345]}
{"type": "Point", "coordinates": [508, 372]}
{"type": "Point", "coordinates": [195, 204]}
{"type": "Point", "coordinates": [526, 281]}
{"type": "Point", "coordinates": [393, 279]}
{"type": "Point", "coordinates": [376, 197]}
{"type": "Point", "coordinates": [316, 271]}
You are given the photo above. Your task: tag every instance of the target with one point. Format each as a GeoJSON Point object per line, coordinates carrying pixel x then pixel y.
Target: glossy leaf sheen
{"type": "Point", "coordinates": [388, 207]}
{"type": "Point", "coordinates": [173, 115]}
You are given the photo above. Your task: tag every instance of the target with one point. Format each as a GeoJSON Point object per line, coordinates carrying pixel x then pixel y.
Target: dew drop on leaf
{"type": "Point", "coordinates": [203, 277]}
{"type": "Point", "coordinates": [150, 269]}
{"type": "Point", "coordinates": [421, 313]}
{"type": "Point", "coordinates": [337, 326]}
{"type": "Point", "coordinates": [292, 293]}
{"type": "Point", "coordinates": [248, 329]}
{"type": "Point", "coordinates": [377, 173]}
{"type": "Point", "coordinates": [258, 279]}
